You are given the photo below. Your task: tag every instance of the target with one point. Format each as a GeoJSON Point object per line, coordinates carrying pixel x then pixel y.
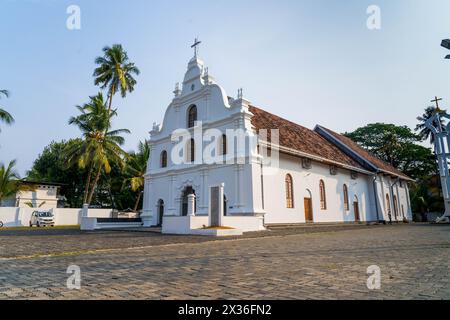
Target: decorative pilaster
{"type": "Point", "coordinates": [238, 183]}
{"type": "Point", "coordinates": [147, 212]}
{"type": "Point", "coordinates": [204, 199]}
{"type": "Point", "coordinates": [171, 193]}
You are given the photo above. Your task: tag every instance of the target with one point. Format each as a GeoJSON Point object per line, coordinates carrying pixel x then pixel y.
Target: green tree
{"type": "Point", "coordinates": [115, 72]}
{"type": "Point", "coordinates": [397, 145]}
{"type": "Point", "coordinates": [400, 147]}
{"type": "Point", "coordinates": [426, 195]}
{"type": "Point", "coordinates": [135, 170]}
{"type": "Point", "coordinates": [99, 145]}
{"type": "Point", "coordinates": [9, 180]}
{"type": "Point", "coordinates": [51, 167]}
{"type": "Point", "coordinates": [4, 115]}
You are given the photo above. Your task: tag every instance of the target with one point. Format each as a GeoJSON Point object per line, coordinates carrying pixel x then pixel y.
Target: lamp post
{"type": "Point", "coordinates": [446, 44]}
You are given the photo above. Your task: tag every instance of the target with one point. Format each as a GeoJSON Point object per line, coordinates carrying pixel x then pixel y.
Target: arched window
{"type": "Point", "coordinates": [388, 204]}
{"type": "Point", "coordinates": [289, 192]}
{"type": "Point", "coordinates": [223, 145]}
{"type": "Point", "coordinates": [323, 196]}
{"type": "Point", "coordinates": [192, 116]}
{"type": "Point", "coordinates": [346, 204]}
{"type": "Point", "coordinates": [190, 148]}
{"type": "Point", "coordinates": [164, 159]}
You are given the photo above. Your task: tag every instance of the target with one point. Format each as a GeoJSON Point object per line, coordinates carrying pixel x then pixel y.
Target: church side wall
{"type": "Point", "coordinates": [392, 187]}
{"type": "Point", "coordinates": [306, 185]}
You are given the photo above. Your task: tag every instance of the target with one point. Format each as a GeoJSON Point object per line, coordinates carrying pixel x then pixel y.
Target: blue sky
{"type": "Point", "coordinates": [308, 61]}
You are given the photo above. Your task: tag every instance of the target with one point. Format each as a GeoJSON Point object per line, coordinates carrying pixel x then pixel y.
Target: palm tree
{"type": "Point", "coordinates": [9, 180]}
{"type": "Point", "coordinates": [32, 205]}
{"type": "Point", "coordinates": [424, 132]}
{"type": "Point", "coordinates": [115, 72]}
{"type": "Point", "coordinates": [99, 145]}
{"type": "Point", "coordinates": [136, 168]}
{"type": "Point", "coordinates": [4, 115]}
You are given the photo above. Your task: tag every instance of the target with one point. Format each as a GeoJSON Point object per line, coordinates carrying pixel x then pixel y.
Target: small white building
{"type": "Point", "coordinates": [35, 195]}
{"type": "Point", "coordinates": [318, 176]}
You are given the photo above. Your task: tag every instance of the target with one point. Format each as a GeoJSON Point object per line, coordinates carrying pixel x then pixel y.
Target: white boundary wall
{"type": "Point", "coordinates": [20, 217]}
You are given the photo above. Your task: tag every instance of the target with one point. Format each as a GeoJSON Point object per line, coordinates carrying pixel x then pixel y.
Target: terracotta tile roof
{"type": "Point", "coordinates": [299, 138]}
{"type": "Point", "coordinates": [361, 152]}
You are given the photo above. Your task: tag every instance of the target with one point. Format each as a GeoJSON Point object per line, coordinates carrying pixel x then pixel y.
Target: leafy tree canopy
{"type": "Point", "coordinates": [51, 166]}
{"type": "Point", "coordinates": [397, 145]}
{"type": "Point", "coordinates": [401, 147]}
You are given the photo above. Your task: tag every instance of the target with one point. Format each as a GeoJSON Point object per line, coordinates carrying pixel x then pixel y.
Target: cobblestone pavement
{"type": "Point", "coordinates": [297, 263]}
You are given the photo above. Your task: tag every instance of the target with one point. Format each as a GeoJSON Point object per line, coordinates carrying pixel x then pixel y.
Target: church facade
{"type": "Point", "coordinates": [283, 173]}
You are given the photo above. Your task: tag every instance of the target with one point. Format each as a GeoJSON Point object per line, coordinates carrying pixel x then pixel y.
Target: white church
{"type": "Point", "coordinates": [313, 176]}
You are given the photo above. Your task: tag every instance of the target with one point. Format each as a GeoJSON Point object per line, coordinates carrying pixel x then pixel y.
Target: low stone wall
{"type": "Point", "coordinates": [185, 225]}
{"type": "Point", "coordinates": [20, 217]}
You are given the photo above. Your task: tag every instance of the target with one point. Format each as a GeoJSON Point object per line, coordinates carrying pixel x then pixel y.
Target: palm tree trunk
{"type": "Point", "coordinates": [94, 184]}
{"type": "Point", "coordinates": [88, 183]}
{"type": "Point", "coordinates": [137, 201]}
{"type": "Point", "coordinates": [111, 197]}
{"type": "Point", "coordinates": [111, 93]}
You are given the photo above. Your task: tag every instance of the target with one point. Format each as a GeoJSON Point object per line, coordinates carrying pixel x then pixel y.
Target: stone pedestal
{"type": "Point", "coordinates": [85, 210]}
{"type": "Point", "coordinates": [215, 208]}
{"type": "Point", "coordinates": [191, 204]}
{"type": "Point", "coordinates": [87, 223]}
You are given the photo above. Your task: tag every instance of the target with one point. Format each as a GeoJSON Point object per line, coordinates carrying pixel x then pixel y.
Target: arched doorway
{"type": "Point", "coordinates": [307, 201]}
{"type": "Point", "coordinates": [160, 212]}
{"type": "Point", "coordinates": [395, 207]}
{"type": "Point", "coordinates": [356, 209]}
{"type": "Point", "coordinates": [184, 200]}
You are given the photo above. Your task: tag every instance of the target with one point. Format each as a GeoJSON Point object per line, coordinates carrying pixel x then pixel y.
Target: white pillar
{"type": "Point", "coordinates": [220, 205]}
{"type": "Point", "coordinates": [85, 211]}
{"type": "Point", "coordinates": [148, 209]}
{"type": "Point", "coordinates": [384, 215]}
{"type": "Point", "coordinates": [191, 204]}
{"type": "Point", "coordinates": [399, 203]}
{"type": "Point", "coordinates": [409, 214]}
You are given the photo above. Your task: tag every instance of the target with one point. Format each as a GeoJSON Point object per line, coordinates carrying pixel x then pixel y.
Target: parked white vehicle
{"type": "Point", "coordinates": [42, 218]}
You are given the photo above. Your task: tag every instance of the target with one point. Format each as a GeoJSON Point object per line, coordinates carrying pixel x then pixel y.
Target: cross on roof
{"type": "Point", "coordinates": [195, 45]}
{"type": "Point", "coordinates": [436, 100]}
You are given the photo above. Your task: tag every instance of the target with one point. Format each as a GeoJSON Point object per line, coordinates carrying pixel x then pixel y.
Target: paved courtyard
{"type": "Point", "coordinates": [325, 262]}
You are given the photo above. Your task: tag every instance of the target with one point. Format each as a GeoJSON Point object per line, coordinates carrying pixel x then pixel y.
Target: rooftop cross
{"type": "Point", "coordinates": [195, 45]}
{"type": "Point", "coordinates": [436, 100]}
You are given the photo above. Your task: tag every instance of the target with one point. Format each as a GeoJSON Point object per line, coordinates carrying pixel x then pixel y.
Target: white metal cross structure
{"type": "Point", "coordinates": [442, 150]}
{"type": "Point", "coordinates": [195, 46]}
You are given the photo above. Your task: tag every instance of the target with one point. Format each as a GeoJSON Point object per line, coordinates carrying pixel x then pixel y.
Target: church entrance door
{"type": "Point", "coordinates": [395, 207]}
{"type": "Point", "coordinates": [308, 210]}
{"type": "Point", "coordinates": [160, 212]}
{"type": "Point", "coordinates": [356, 210]}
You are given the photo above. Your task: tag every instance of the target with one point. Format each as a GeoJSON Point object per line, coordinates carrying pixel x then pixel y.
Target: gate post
{"type": "Point", "coordinates": [215, 207]}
